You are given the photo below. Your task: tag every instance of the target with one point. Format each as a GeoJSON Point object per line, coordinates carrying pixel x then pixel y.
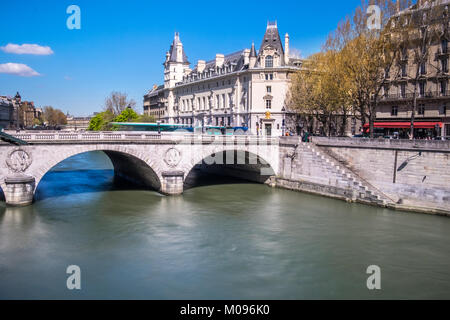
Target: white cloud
{"type": "Point", "coordinates": [18, 69]}
{"type": "Point", "coordinates": [27, 49]}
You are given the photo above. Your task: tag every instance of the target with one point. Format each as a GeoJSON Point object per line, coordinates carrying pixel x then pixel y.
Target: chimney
{"type": "Point", "coordinates": [246, 56]}
{"type": "Point", "coordinates": [201, 64]}
{"type": "Point", "coordinates": [286, 49]}
{"type": "Point", "coordinates": [220, 58]}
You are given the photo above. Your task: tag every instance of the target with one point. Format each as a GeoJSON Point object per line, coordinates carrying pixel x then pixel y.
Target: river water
{"type": "Point", "coordinates": [232, 240]}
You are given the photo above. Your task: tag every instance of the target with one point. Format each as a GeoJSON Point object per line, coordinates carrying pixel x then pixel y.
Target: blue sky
{"type": "Point", "coordinates": [121, 44]}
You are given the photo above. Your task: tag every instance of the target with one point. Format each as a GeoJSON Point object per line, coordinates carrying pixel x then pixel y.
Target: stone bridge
{"type": "Point", "coordinates": [160, 162]}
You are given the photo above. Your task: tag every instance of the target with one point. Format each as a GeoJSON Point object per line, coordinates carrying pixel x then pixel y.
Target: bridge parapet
{"type": "Point", "coordinates": [138, 137]}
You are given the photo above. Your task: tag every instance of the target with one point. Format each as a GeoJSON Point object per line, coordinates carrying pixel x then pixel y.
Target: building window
{"type": "Point", "coordinates": [269, 76]}
{"type": "Point", "coordinates": [421, 110]}
{"type": "Point", "coordinates": [404, 74]}
{"type": "Point", "coordinates": [269, 62]}
{"type": "Point", "coordinates": [269, 89]}
{"type": "Point", "coordinates": [443, 87]}
{"type": "Point", "coordinates": [422, 89]}
{"type": "Point", "coordinates": [217, 101]}
{"type": "Point", "coordinates": [403, 90]}
{"type": "Point", "coordinates": [444, 45]}
{"type": "Point", "coordinates": [444, 109]}
{"type": "Point", "coordinates": [444, 63]}
{"type": "Point", "coordinates": [223, 101]}
{"type": "Point", "coordinates": [394, 111]}
{"type": "Point", "coordinates": [268, 104]}
{"type": "Point", "coordinates": [386, 91]}
{"type": "Point", "coordinates": [423, 68]}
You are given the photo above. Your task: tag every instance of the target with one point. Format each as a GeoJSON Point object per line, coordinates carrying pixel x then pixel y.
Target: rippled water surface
{"type": "Point", "coordinates": [232, 240]}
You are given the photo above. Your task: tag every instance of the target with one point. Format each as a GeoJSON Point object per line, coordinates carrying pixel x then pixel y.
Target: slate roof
{"type": "Point", "coordinates": [272, 38]}
{"type": "Point", "coordinates": [234, 58]}
{"type": "Point", "coordinates": [173, 50]}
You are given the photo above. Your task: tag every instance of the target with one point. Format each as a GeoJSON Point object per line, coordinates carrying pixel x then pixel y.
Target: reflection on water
{"type": "Point", "coordinates": [233, 240]}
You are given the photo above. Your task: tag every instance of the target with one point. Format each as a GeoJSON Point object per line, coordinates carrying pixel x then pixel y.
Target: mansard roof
{"type": "Point", "coordinates": [272, 38]}
{"type": "Point", "coordinates": [173, 50]}
{"type": "Point", "coordinates": [236, 58]}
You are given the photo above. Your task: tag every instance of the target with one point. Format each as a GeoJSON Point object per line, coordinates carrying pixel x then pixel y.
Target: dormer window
{"type": "Point", "coordinates": [269, 62]}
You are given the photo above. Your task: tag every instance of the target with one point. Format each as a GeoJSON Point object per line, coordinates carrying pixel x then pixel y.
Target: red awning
{"type": "Point", "coordinates": [405, 125]}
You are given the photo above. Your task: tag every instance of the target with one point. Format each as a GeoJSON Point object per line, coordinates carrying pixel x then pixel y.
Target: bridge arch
{"type": "Point", "coordinates": [128, 165]}
{"type": "Point", "coordinates": [239, 162]}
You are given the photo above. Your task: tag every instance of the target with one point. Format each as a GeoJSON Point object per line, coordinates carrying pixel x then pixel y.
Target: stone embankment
{"type": "Point", "coordinates": [399, 174]}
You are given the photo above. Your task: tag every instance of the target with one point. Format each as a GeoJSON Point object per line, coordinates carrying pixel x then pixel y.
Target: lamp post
{"type": "Point", "coordinates": [159, 126]}
{"type": "Point", "coordinates": [283, 124]}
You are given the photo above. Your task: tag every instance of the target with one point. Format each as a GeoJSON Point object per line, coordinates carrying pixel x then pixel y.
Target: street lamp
{"type": "Point", "coordinates": [159, 126]}
{"type": "Point", "coordinates": [283, 125]}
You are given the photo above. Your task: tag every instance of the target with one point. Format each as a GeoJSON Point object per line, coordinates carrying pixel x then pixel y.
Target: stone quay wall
{"type": "Point", "coordinates": [400, 174]}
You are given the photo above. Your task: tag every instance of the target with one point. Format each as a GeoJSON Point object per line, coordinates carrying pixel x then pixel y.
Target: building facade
{"type": "Point", "coordinates": [77, 123]}
{"type": "Point", "coordinates": [6, 112]}
{"type": "Point", "coordinates": [18, 114]}
{"type": "Point", "coordinates": [426, 79]}
{"type": "Point", "coordinates": [242, 89]}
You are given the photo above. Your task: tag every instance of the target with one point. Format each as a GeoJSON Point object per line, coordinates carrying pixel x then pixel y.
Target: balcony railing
{"type": "Point", "coordinates": [442, 53]}
{"type": "Point", "coordinates": [425, 95]}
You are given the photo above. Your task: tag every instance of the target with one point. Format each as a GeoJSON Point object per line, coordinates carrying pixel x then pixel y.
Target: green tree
{"type": "Point", "coordinates": [100, 122]}
{"type": "Point", "coordinates": [127, 115]}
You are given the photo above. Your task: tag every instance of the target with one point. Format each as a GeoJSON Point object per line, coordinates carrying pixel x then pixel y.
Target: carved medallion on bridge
{"type": "Point", "coordinates": [172, 157]}
{"type": "Point", "coordinates": [18, 161]}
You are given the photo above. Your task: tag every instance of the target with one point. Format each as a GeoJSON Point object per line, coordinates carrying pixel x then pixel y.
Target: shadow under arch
{"type": "Point", "coordinates": [229, 167]}
{"type": "Point", "coordinates": [97, 171]}
{"type": "Point", "coordinates": [2, 195]}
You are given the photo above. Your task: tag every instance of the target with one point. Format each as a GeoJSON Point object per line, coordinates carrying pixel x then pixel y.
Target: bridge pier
{"type": "Point", "coordinates": [19, 190]}
{"type": "Point", "coordinates": [172, 183]}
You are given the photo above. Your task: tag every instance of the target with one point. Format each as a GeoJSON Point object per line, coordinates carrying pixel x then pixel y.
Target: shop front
{"type": "Point", "coordinates": [401, 130]}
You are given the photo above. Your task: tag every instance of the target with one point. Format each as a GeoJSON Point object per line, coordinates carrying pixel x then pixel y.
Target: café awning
{"type": "Point", "coordinates": [406, 125]}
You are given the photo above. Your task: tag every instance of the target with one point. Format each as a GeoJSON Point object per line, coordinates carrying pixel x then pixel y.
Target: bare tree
{"type": "Point", "coordinates": [117, 102]}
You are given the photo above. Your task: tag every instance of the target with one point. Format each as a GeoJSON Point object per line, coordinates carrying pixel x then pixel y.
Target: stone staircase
{"type": "Point", "coordinates": [323, 169]}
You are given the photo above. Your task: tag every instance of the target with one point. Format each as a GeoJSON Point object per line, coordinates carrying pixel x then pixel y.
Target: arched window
{"type": "Point", "coordinates": [269, 62]}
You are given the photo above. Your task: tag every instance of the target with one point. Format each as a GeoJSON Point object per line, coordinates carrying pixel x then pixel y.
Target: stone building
{"type": "Point", "coordinates": [6, 112]}
{"type": "Point", "coordinates": [430, 78]}
{"type": "Point", "coordinates": [27, 114]}
{"type": "Point", "coordinates": [154, 102]}
{"type": "Point", "coordinates": [246, 88]}
{"type": "Point", "coordinates": [77, 123]}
